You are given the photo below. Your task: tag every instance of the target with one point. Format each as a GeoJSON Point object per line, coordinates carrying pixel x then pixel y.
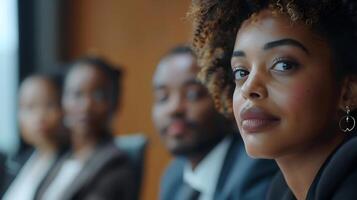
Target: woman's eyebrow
{"type": "Point", "coordinates": [286, 41]}
{"type": "Point", "coordinates": [238, 53]}
{"type": "Point", "coordinates": [273, 44]}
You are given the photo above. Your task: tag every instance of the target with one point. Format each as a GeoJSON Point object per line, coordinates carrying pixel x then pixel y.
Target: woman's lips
{"type": "Point", "coordinates": [255, 119]}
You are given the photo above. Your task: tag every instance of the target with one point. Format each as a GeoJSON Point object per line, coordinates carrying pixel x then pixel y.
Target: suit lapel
{"type": "Point", "coordinates": [50, 176]}
{"type": "Point", "coordinates": [229, 176]}
{"type": "Point", "coordinates": [173, 180]}
{"type": "Point", "coordinates": [102, 155]}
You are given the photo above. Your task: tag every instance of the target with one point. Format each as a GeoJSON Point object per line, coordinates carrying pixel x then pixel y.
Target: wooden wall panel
{"type": "Point", "coordinates": [134, 34]}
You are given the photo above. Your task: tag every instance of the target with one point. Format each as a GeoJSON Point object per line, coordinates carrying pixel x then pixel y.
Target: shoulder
{"type": "Point", "coordinates": [109, 154]}
{"type": "Point", "coordinates": [109, 159]}
{"type": "Point", "coordinates": [112, 184]}
{"type": "Point", "coordinates": [112, 175]}
{"type": "Point", "coordinates": [252, 179]}
{"type": "Point", "coordinates": [107, 164]}
{"type": "Point", "coordinates": [172, 178]}
{"type": "Point", "coordinates": [175, 168]}
{"type": "Point", "coordinates": [279, 189]}
{"type": "Point", "coordinates": [250, 168]}
{"type": "Point", "coordinates": [339, 178]}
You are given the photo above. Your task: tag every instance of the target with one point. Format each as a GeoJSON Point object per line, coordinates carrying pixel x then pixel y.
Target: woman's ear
{"type": "Point", "coordinates": [348, 95]}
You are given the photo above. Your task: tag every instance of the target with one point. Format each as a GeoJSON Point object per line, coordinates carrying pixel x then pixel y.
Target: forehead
{"type": "Point", "coordinates": [175, 70]}
{"type": "Point", "coordinates": [269, 25]}
{"type": "Point", "coordinates": [37, 88]}
{"type": "Point", "coordinates": [85, 75]}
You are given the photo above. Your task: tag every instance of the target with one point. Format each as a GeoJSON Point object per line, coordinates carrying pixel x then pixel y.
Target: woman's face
{"type": "Point", "coordinates": [86, 100]}
{"type": "Point", "coordinates": [39, 111]}
{"type": "Point", "coordinates": [286, 95]}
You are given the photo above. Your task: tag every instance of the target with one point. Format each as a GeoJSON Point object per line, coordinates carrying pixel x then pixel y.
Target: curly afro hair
{"type": "Point", "coordinates": [216, 23]}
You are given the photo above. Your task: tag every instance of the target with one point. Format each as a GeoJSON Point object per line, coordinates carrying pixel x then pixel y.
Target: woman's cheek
{"type": "Point", "coordinates": [298, 96]}
{"type": "Point", "coordinates": [302, 102]}
{"type": "Point", "coordinates": [237, 104]}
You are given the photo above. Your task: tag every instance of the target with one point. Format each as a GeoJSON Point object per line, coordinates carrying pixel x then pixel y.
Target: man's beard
{"type": "Point", "coordinates": [197, 147]}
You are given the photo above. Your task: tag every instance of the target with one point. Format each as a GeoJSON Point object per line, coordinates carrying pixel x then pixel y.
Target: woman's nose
{"type": "Point", "coordinates": [254, 88]}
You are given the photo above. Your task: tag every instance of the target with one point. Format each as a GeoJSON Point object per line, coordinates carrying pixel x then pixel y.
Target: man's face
{"type": "Point", "coordinates": [183, 111]}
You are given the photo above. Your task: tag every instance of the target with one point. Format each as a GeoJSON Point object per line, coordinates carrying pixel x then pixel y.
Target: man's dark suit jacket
{"type": "Point", "coordinates": [241, 177]}
{"type": "Point", "coordinates": [107, 175]}
{"type": "Point", "coordinates": [336, 180]}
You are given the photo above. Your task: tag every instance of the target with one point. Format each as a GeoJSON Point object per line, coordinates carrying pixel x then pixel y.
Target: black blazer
{"type": "Point", "coordinates": [241, 178]}
{"type": "Point", "coordinates": [18, 163]}
{"type": "Point", "coordinates": [107, 175]}
{"type": "Point", "coordinates": [336, 180]}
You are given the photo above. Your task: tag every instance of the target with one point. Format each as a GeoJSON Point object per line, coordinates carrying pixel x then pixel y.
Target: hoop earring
{"type": "Point", "coordinates": [346, 125]}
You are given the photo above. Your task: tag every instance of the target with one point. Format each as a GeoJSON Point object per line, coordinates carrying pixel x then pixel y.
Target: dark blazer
{"type": "Point", "coordinates": [15, 166]}
{"type": "Point", "coordinates": [18, 162]}
{"type": "Point", "coordinates": [336, 180]}
{"type": "Point", "coordinates": [241, 178]}
{"type": "Point", "coordinates": [107, 175]}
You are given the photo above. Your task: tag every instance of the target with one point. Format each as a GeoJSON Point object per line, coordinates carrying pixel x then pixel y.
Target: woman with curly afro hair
{"type": "Point", "coordinates": [286, 70]}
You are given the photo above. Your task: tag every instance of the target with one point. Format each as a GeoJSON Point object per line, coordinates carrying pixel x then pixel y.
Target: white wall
{"type": "Point", "coordinates": [8, 75]}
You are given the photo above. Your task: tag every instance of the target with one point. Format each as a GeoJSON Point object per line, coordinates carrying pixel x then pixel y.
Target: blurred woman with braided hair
{"type": "Point", "coordinates": [286, 70]}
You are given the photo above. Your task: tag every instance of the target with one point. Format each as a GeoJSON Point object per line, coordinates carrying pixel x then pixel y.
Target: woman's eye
{"type": "Point", "coordinates": [240, 73]}
{"type": "Point", "coordinates": [284, 65]}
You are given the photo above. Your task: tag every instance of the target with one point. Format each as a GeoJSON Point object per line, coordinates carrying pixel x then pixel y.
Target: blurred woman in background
{"type": "Point", "coordinates": [94, 168]}
{"type": "Point", "coordinates": [40, 118]}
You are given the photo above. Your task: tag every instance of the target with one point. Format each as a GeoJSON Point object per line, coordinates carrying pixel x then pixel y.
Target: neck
{"type": "Point", "coordinates": [300, 169]}
{"type": "Point", "coordinates": [197, 157]}
{"type": "Point", "coordinates": [82, 145]}
{"type": "Point", "coordinates": [46, 148]}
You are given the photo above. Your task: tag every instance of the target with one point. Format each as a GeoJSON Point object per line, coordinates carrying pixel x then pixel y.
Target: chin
{"type": "Point", "coordinates": [260, 149]}
{"type": "Point", "coordinates": [179, 151]}
{"type": "Point", "coordinates": [174, 146]}
{"type": "Point", "coordinates": [255, 152]}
